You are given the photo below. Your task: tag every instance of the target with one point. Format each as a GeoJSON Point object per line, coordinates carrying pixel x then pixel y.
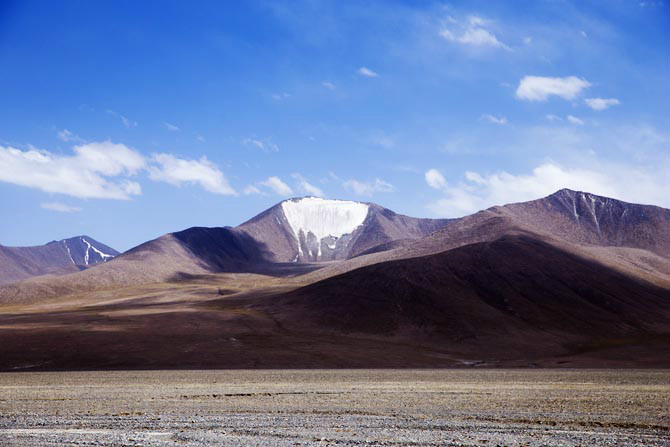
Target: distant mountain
{"type": "Point", "coordinates": [312, 229]}
{"type": "Point", "coordinates": [294, 236]}
{"type": "Point", "coordinates": [56, 257]}
{"type": "Point", "coordinates": [304, 230]}
{"type": "Point", "coordinates": [592, 220]}
{"type": "Point", "coordinates": [632, 238]}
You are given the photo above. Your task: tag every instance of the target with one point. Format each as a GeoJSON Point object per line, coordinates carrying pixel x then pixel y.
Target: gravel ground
{"type": "Point", "coordinates": [336, 407]}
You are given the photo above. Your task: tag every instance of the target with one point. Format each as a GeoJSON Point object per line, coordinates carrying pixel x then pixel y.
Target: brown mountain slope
{"type": "Point", "coordinates": [514, 297]}
{"type": "Point", "coordinates": [631, 238]}
{"type": "Point", "coordinates": [264, 244]}
{"type": "Point", "coordinates": [55, 258]}
{"type": "Point", "coordinates": [136, 266]}
{"type": "Point", "coordinates": [588, 219]}
{"type": "Point", "coordinates": [172, 257]}
{"type": "Point", "coordinates": [516, 301]}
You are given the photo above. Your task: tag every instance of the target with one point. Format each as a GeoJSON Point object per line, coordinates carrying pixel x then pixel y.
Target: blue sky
{"type": "Point", "coordinates": [128, 120]}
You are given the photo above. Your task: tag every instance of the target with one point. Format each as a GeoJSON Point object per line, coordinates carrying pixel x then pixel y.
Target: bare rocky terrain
{"type": "Point", "coordinates": [336, 407]}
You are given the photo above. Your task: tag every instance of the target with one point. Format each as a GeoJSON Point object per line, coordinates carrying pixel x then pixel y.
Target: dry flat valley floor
{"type": "Point", "coordinates": [336, 407]}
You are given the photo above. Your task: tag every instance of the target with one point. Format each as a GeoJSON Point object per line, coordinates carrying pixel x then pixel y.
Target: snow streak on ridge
{"type": "Point", "coordinates": [90, 246]}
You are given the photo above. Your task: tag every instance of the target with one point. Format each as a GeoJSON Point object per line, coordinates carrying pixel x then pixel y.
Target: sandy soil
{"type": "Point", "coordinates": [336, 407]}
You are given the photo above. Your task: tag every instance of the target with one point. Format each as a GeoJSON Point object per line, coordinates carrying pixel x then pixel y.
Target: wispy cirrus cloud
{"type": "Point", "coordinates": [574, 120]}
{"type": "Point", "coordinates": [59, 207]}
{"type": "Point", "coordinates": [367, 189]}
{"type": "Point", "coordinates": [473, 31]}
{"type": "Point", "coordinates": [281, 96]}
{"type": "Point", "coordinates": [127, 122]}
{"type": "Point", "coordinates": [171, 127]}
{"type": "Point", "coordinates": [275, 185]}
{"type": "Point", "coordinates": [251, 189]}
{"type": "Point", "coordinates": [494, 119]}
{"type": "Point", "coordinates": [67, 136]}
{"type": "Point", "coordinates": [265, 144]}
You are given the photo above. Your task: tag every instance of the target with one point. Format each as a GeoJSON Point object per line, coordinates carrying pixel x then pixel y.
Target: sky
{"type": "Point", "coordinates": [126, 120]}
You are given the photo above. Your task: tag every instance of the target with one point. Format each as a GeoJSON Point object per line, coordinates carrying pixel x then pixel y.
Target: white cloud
{"type": "Point", "coordinates": [494, 119]}
{"type": "Point", "coordinates": [251, 189]}
{"type": "Point", "coordinates": [367, 188]}
{"type": "Point", "coordinates": [473, 32]}
{"type": "Point", "coordinates": [176, 171]}
{"type": "Point", "coordinates": [265, 145]}
{"type": "Point", "coordinates": [277, 186]}
{"type": "Point", "coordinates": [126, 121]}
{"type": "Point", "coordinates": [281, 96]}
{"type": "Point", "coordinates": [92, 172]}
{"type": "Point", "coordinates": [109, 158]}
{"type": "Point", "coordinates": [171, 127]}
{"type": "Point", "coordinates": [307, 188]}
{"type": "Point", "coordinates": [67, 136]}
{"type": "Point", "coordinates": [103, 170]}
{"type": "Point", "coordinates": [574, 120]}
{"type": "Point", "coordinates": [60, 207]}
{"type": "Point", "coordinates": [329, 85]}
{"type": "Point", "coordinates": [479, 192]}
{"type": "Point", "coordinates": [364, 71]}
{"type": "Point", "coordinates": [551, 117]}
{"type": "Point", "coordinates": [601, 103]}
{"type": "Point", "coordinates": [435, 179]}
{"type": "Point", "coordinates": [539, 88]}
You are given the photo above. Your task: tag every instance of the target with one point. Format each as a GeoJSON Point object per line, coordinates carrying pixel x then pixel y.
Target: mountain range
{"type": "Point", "coordinates": [573, 279]}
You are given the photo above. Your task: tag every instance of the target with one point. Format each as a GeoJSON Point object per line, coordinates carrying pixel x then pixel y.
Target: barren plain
{"type": "Point", "coordinates": [463, 407]}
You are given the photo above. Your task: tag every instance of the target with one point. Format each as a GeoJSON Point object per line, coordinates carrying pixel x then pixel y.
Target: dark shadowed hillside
{"type": "Point", "coordinates": [515, 295]}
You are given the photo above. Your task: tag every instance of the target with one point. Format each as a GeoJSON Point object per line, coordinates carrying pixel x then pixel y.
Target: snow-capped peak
{"type": "Point", "coordinates": [324, 217]}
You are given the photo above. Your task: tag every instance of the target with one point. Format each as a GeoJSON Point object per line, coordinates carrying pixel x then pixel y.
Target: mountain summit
{"type": "Point", "coordinates": [56, 257]}
{"type": "Point", "coordinates": [312, 229]}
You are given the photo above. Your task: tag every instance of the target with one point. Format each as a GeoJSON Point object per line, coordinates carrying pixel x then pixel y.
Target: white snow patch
{"type": "Point", "coordinates": [87, 249]}
{"type": "Point", "coordinates": [324, 217]}
{"type": "Point", "coordinates": [68, 252]}
{"type": "Point", "coordinates": [89, 246]}
{"type": "Point", "coordinates": [104, 256]}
